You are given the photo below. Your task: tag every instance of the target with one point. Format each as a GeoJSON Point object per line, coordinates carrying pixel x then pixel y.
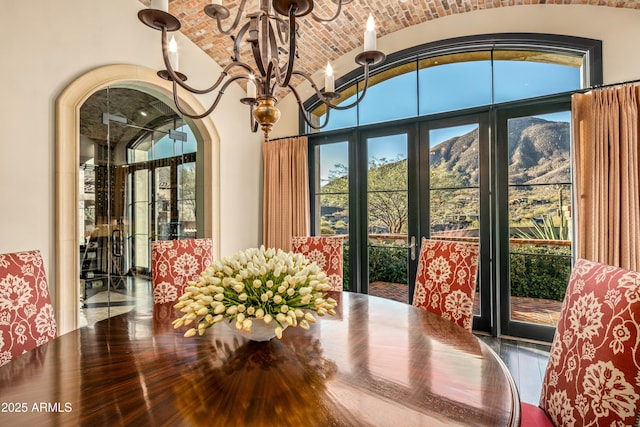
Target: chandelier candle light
{"type": "Point", "coordinates": [272, 42]}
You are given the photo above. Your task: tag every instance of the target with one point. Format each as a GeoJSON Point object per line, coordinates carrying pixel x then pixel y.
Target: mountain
{"type": "Point", "coordinates": [538, 152]}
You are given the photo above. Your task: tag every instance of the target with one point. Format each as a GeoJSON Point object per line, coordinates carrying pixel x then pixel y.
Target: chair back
{"type": "Point", "coordinates": [593, 373]}
{"type": "Point", "coordinates": [446, 279]}
{"type": "Point", "coordinates": [26, 314]}
{"type": "Point", "coordinates": [176, 262]}
{"type": "Point", "coordinates": [326, 252]}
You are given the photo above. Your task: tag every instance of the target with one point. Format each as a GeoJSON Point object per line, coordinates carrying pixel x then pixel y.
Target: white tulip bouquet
{"type": "Point", "coordinates": [257, 283]}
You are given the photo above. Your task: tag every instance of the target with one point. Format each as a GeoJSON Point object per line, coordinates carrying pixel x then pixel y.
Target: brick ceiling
{"type": "Point", "coordinates": [320, 43]}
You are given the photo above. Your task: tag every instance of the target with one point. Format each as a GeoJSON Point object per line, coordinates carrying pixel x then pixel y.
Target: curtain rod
{"type": "Point", "coordinates": [604, 86]}
{"type": "Point", "coordinates": [571, 92]}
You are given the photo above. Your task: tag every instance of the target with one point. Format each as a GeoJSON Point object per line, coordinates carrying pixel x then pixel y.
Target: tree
{"type": "Point", "coordinates": [387, 202]}
{"type": "Point", "coordinates": [387, 193]}
{"type": "Point", "coordinates": [387, 199]}
{"type": "Point", "coordinates": [446, 197]}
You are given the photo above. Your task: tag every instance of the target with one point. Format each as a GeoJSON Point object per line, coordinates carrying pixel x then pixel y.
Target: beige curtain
{"type": "Point", "coordinates": [607, 180]}
{"type": "Point", "coordinates": [286, 191]}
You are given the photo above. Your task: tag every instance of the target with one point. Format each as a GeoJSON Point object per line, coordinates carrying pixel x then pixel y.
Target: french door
{"type": "Point", "coordinates": [468, 178]}
{"type": "Point", "coordinates": [454, 193]}
{"type": "Point", "coordinates": [533, 203]}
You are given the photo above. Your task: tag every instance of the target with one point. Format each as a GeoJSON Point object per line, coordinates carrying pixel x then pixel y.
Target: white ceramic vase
{"type": "Point", "coordinates": [260, 331]}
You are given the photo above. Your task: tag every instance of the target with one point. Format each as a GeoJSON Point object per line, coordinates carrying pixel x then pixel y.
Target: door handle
{"type": "Point", "coordinates": [412, 247]}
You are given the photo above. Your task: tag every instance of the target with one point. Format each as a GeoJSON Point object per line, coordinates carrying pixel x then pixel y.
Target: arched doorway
{"type": "Point", "coordinates": [67, 288]}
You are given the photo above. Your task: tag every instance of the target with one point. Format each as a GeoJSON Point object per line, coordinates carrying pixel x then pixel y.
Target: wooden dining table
{"type": "Point", "coordinates": [377, 362]}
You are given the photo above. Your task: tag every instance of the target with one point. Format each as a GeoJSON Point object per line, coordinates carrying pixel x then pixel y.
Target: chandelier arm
{"type": "Point", "coordinates": [333, 18]}
{"type": "Point", "coordinates": [236, 21]}
{"type": "Point", "coordinates": [174, 77]}
{"type": "Point", "coordinates": [239, 64]}
{"type": "Point", "coordinates": [267, 40]}
{"type": "Point", "coordinates": [275, 59]}
{"type": "Point", "coordinates": [237, 39]}
{"type": "Point", "coordinates": [304, 112]}
{"type": "Point", "coordinates": [255, 45]}
{"type": "Point", "coordinates": [280, 23]}
{"type": "Point", "coordinates": [273, 65]}
{"type": "Point", "coordinates": [292, 45]}
{"type": "Point", "coordinates": [327, 101]}
{"type": "Point", "coordinates": [319, 94]}
{"type": "Point", "coordinates": [358, 98]}
{"type": "Point", "coordinates": [213, 106]}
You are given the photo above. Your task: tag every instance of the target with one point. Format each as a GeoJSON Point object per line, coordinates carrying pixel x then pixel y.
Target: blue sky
{"type": "Point", "coordinates": [167, 147]}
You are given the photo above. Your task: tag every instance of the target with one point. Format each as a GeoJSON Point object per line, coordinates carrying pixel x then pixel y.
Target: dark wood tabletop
{"type": "Point", "coordinates": [376, 363]}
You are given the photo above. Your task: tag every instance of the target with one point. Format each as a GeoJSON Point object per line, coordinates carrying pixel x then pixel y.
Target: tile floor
{"type": "Point", "coordinates": [104, 304]}
{"type": "Point", "coordinates": [526, 362]}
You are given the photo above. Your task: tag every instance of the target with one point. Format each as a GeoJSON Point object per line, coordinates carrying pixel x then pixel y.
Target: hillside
{"type": "Point", "coordinates": [538, 152]}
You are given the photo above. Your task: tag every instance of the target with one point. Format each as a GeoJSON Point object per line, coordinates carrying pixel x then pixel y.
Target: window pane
{"type": "Point", "coordinates": [454, 192]}
{"type": "Point", "coordinates": [332, 189]}
{"type": "Point", "coordinates": [163, 203]}
{"type": "Point", "coordinates": [539, 214]}
{"type": "Point", "coordinates": [454, 82]}
{"type": "Point", "coordinates": [332, 196]}
{"type": "Point", "coordinates": [522, 79]}
{"type": "Point", "coordinates": [141, 218]}
{"type": "Point", "coordinates": [187, 199]}
{"type": "Point", "coordinates": [338, 119]}
{"type": "Point", "coordinates": [387, 218]}
{"type": "Point", "coordinates": [167, 147]}
{"type": "Point", "coordinates": [539, 149]}
{"type": "Point", "coordinates": [391, 96]}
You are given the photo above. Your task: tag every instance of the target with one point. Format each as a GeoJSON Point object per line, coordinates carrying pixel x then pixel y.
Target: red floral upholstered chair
{"type": "Point", "coordinates": [176, 262]}
{"type": "Point", "coordinates": [326, 252]}
{"type": "Point", "coordinates": [593, 373]}
{"type": "Point", "coordinates": [26, 314]}
{"type": "Point", "coordinates": [446, 279]}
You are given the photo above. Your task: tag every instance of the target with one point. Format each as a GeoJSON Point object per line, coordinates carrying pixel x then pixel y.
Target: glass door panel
{"type": "Point", "coordinates": [164, 202]}
{"type": "Point", "coordinates": [102, 204]}
{"type": "Point", "coordinates": [454, 187]}
{"type": "Point", "coordinates": [118, 217]}
{"type": "Point", "coordinates": [388, 216]}
{"type": "Point", "coordinates": [330, 196]}
{"type": "Point", "coordinates": [94, 182]}
{"type": "Point", "coordinates": [137, 169]}
{"type": "Point", "coordinates": [187, 200]}
{"type": "Point", "coordinates": [140, 232]}
{"type": "Point", "coordinates": [539, 192]}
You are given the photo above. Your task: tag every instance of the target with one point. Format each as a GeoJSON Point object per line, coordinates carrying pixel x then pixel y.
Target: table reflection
{"type": "Point", "coordinates": [376, 363]}
{"type": "Point", "coordinates": [250, 383]}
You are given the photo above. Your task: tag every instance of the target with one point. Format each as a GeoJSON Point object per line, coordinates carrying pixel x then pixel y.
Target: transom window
{"type": "Point", "coordinates": [454, 75]}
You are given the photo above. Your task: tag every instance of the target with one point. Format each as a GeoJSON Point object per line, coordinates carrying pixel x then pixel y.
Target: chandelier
{"type": "Point", "coordinates": [271, 34]}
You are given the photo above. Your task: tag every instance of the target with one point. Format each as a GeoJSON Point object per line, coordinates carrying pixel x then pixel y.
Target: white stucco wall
{"type": "Point", "coordinates": [619, 29]}
{"type": "Point", "coordinates": [49, 44]}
